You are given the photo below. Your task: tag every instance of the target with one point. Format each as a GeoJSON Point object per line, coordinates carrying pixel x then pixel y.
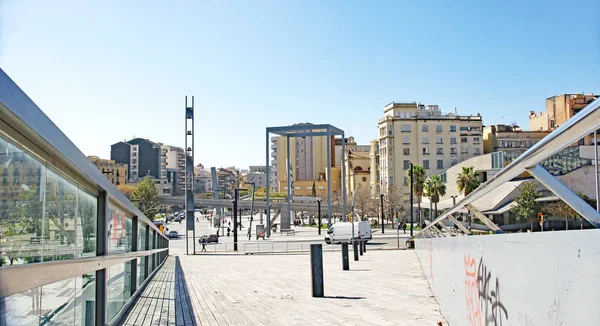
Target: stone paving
{"type": "Point", "coordinates": [383, 288]}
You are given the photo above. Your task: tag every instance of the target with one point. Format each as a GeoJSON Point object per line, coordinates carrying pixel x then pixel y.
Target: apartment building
{"type": "Point", "coordinates": [117, 173]}
{"type": "Point", "coordinates": [358, 166]}
{"type": "Point", "coordinates": [142, 156]}
{"type": "Point", "coordinates": [559, 109]}
{"type": "Point", "coordinates": [510, 138]}
{"type": "Point", "coordinates": [411, 132]}
{"type": "Point", "coordinates": [175, 163]}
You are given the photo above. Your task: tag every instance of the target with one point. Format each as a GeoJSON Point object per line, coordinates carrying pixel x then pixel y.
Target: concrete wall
{"type": "Point", "coordinates": [543, 278]}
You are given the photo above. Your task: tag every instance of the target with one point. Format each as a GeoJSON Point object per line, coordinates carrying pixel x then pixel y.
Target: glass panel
{"type": "Point", "coordinates": [119, 231]}
{"type": "Point", "coordinates": [21, 206]}
{"type": "Point", "coordinates": [118, 288]}
{"type": "Point", "coordinates": [86, 223]}
{"type": "Point", "coordinates": [21, 308]}
{"type": "Point", "coordinates": [57, 306]}
{"type": "Point", "coordinates": [59, 225]}
{"type": "Point", "coordinates": [141, 247]}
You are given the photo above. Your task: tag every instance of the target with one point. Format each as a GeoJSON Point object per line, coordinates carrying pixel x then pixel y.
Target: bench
{"type": "Point", "coordinates": [38, 239]}
{"type": "Point", "coordinates": [288, 232]}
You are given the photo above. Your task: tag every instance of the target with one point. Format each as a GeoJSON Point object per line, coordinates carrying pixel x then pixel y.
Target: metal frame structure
{"type": "Point", "coordinates": [190, 223]}
{"type": "Point", "coordinates": [24, 123]}
{"type": "Point", "coordinates": [581, 125]}
{"type": "Point", "coordinates": [293, 131]}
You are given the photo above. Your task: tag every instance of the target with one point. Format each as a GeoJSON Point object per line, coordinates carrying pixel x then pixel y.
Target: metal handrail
{"type": "Point", "coordinates": [19, 278]}
{"type": "Point", "coordinates": [579, 126]}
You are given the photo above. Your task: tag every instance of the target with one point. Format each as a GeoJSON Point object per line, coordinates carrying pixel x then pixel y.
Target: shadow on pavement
{"type": "Point", "coordinates": [184, 310]}
{"type": "Point", "coordinates": [343, 297]}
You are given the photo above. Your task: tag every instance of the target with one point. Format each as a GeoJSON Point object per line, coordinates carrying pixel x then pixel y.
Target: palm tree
{"type": "Point", "coordinates": [467, 180]}
{"type": "Point", "coordinates": [435, 188]}
{"type": "Point", "coordinates": [418, 183]}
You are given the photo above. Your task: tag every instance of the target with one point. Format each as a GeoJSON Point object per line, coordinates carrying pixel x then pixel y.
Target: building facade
{"type": "Point", "coordinates": [503, 138]}
{"type": "Point", "coordinates": [559, 109]}
{"type": "Point", "coordinates": [117, 173]}
{"type": "Point", "coordinates": [411, 132]}
{"type": "Point", "coordinates": [143, 158]}
{"type": "Point", "coordinates": [358, 166]}
{"type": "Point", "coordinates": [175, 160]}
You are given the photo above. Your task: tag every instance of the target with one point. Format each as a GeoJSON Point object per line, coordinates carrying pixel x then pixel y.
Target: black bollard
{"type": "Point", "coordinates": [355, 247]}
{"type": "Point", "coordinates": [365, 246]}
{"type": "Point", "coordinates": [316, 264]}
{"type": "Point", "coordinates": [360, 245]}
{"type": "Point", "coordinates": [345, 261]}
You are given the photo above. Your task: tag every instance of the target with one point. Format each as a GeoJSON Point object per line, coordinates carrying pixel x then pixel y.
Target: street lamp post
{"type": "Point", "coordinates": [352, 212]}
{"type": "Point", "coordinates": [453, 204]}
{"type": "Point", "coordinates": [382, 216]}
{"type": "Point", "coordinates": [251, 209]}
{"type": "Point", "coordinates": [411, 198]}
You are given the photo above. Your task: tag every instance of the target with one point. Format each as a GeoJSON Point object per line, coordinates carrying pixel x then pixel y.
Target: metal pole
{"type": "Point", "coordinates": [240, 210]}
{"type": "Point", "coordinates": [596, 171]}
{"type": "Point", "coordinates": [268, 210]}
{"type": "Point", "coordinates": [328, 179]}
{"type": "Point", "coordinates": [319, 214]}
{"type": "Point", "coordinates": [251, 211]}
{"type": "Point", "coordinates": [382, 216]}
{"type": "Point", "coordinates": [344, 176]}
{"type": "Point", "coordinates": [411, 199]}
{"type": "Point", "coordinates": [289, 185]}
{"type": "Point", "coordinates": [352, 212]}
{"type": "Point", "coordinates": [235, 204]}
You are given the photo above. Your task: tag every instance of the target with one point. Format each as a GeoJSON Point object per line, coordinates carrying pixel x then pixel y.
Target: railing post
{"type": "Point", "coordinates": [147, 258]}
{"type": "Point", "coordinates": [134, 247]}
{"type": "Point", "coordinates": [101, 250]}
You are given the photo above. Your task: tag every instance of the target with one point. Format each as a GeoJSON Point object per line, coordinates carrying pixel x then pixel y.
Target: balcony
{"type": "Point", "coordinates": [273, 154]}
{"type": "Point", "coordinates": [274, 162]}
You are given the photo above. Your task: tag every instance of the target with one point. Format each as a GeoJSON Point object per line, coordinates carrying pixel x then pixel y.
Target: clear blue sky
{"type": "Point", "coordinates": [106, 71]}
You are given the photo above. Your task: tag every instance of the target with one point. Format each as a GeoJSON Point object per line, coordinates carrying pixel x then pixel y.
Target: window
{"type": "Point", "coordinates": [406, 164]}
{"type": "Point", "coordinates": [439, 140]}
{"type": "Point", "coordinates": [425, 128]}
{"type": "Point", "coordinates": [464, 128]}
{"type": "Point", "coordinates": [476, 140]}
{"type": "Point", "coordinates": [406, 181]}
{"type": "Point", "coordinates": [452, 140]}
{"type": "Point", "coordinates": [391, 181]}
{"type": "Point", "coordinates": [438, 128]}
{"type": "Point", "coordinates": [454, 162]}
{"type": "Point", "coordinates": [382, 132]}
{"type": "Point", "coordinates": [440, 151]}
{"type": "Point", "coordinates": [425, 150]}
{"type": "Point", "coordinates": [453, 150]}
{"type": "Point", "coordinates": [426, 164]}
{"type": "Point", "coordinates": [452, 128]}
{"type": "Point", "coordinates": [405, 128]}
{"type": "Point", "coordinates": [552, 123]}
{"type": "Point", "coordinates": [364, 179]}
{"type": "Point", "coordinates": [425, 140]}
{"type": "Point", "coordinates": [405, 140]}
{"type": "Point", "coordinates": [390, 130]}
{"type": "Point", "coordinates": [406, 151]}
{"type": "Point", "coordinates": [440, 164]}
{"type": "Point", "coordinates": [464, 140]}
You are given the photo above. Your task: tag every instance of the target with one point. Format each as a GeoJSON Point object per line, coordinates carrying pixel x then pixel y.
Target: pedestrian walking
{"type": "Point", "coordinates": [228, 231]}
{"type": "Point", "coordinates": [404, 227]}
{"type": "Point", "coordinates": [203, 244]}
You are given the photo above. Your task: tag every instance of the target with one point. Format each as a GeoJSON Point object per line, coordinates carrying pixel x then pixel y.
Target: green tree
{"type": "Point", "coordinates": [314, 190]}
{"type": "Point", "coordinates": [145, 195]}
{"type": "Point", "coordinates": [434, 188]}
{"type": "Point", "coordinates": [27, 213]}
{"type": "Point", "coordinates": [527, 207]}
{"type": "Point", "coordinates": [467, 180]}
{"type": "Point", "coordinates": [561, 209]}
{"type": "Point", "coordinates": [418, 184]}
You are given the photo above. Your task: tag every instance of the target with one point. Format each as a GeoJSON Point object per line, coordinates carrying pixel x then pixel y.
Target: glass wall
{"type": "Point", "coordinates": [66, 302]}
{"type": "Point", "coordinates": [120, 235]}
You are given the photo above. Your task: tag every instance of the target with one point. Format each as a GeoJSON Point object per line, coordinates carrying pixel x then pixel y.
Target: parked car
{"type": "Point", "coordinates": [176, 219]}
{"type": "Point", "coordinates": [213, 238]}
{"type": "Point", "coordinates": [205, 237]}
{"type": "Point", "coordinates": [173, 235]}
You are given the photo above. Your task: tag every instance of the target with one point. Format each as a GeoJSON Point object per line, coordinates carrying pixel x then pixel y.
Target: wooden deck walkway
{"type": "Point", "coordinates": [165, 300]}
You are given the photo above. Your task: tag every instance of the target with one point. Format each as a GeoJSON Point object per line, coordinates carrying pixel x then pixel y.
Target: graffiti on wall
{"type": "Point", "coordinates": [484, 306]}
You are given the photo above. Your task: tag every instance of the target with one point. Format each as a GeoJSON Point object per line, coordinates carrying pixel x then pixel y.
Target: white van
{"type": "Point", "coordinates": [342, 232]}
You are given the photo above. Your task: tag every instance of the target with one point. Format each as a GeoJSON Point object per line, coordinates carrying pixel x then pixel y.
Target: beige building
{"type": "Point", "coordinates": [503, 138]}
{"type": "Point", "coordinates": [175, 159]}
{"type": "Point", "coordinates": [308, 156]}
{"type": "Point", "coordinates": [358, 166]}
{"type": "Point", "coordinates": [411, 132]}
{"type": "Point", "coordinates": [559, 109]}
{"type": "Point", "coordinates": [115, 172]}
